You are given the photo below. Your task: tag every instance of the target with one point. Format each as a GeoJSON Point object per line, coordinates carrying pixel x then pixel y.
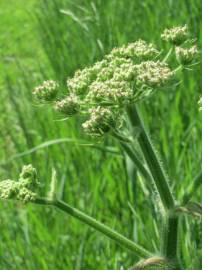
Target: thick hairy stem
{"type": "Point", "coordinates": [98, 226]}
{"type": "Point", "coordinates": [137, 162]}
{"type": "Point", "coordinates": [170, 234]}
{"type": "Point", "coordinates": [151, 158]}
{"type": "Point", "coordinates": [170, 238]}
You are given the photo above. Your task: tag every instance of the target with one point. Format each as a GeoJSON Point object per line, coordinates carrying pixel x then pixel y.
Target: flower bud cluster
{"type": "Point", "coordinates": [126, 75]}
{"type": "Point", "coordinates": [114, 67]}
{"type": "Point", "coordinates": [179, 37]}
{"type": "Point", "coordinates": [110, 91]}
{"type": "Point", "coordinates": [47, 91]}
{"type": "Point", "coordinates": [186, 56]}
{"type": "Point", "coordinates": [139, 49]}
{"type": "Point", "coordinates": [23, 189]}
{"type": "Point", "coordinates": [100, 122]}
{"type": "Point", "coordinates": [69, 106]}
{"type": "Point", "coordinates": [176, 35]}
{"type": "Point", "coordinates": [154, 74]}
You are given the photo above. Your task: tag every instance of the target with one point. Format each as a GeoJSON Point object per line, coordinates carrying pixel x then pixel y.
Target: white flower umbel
{"type": "Point", "coordinates": [154, 74]}
{"type": "Point", "coordinates": [101, 121]}
{"type": "Point", "coordinates": [81, 80]}
{"type": "Point", "coordinates": [111, 91]}
{"type": "Point", "coordinates": [186, 56]}
{"type": "Point", "coordinates": [125, 76]}
{"type": "Point", "coordinates": [139, 49]}
{"type": "Point", "coordinates": [47, 91]}
{"type": "Point", "coordinates": [176, 35]}
{"type": "Point", "coordinates": [69, 106]}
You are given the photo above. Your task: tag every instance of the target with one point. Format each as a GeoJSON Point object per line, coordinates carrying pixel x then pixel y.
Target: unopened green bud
{"type": "Point", "coordinates": [175, 35]}
{"type": "Point", "coordinates": [69, 105]}
{"type": "Point", "coordinates": [26, 195]}
{"type": "Point", "coordinates": [23, 189]}
{"type": "Point", "coordinates": [8, 189]}
{"type": "Point", "coordinates": [28, 177]}
{"type": "Point", "coordinates": [186, 56]}
{"type": "Point", "coordinates": [47, 91]}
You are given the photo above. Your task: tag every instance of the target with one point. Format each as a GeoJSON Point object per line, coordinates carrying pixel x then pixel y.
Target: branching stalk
{"type": "Point", "coordinates": [98, 226]}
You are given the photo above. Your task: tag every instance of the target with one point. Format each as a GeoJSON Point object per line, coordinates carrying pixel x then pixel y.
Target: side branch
{"type": "Point", "coordinates": [98, 226]}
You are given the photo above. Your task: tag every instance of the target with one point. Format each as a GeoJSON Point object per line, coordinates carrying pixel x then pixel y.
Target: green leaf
{"type": "Point", "coordinates": [108, 149]}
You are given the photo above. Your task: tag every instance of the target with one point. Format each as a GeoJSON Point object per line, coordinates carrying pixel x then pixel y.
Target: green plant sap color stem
{"type": "Point", "coordinates": [170, 233]}
{"type": "Point", "coordinates": [137, 162]}
{"type": "Point", "coordinates": [170, 237]}
{"type": "Point", "coordinates": [151, 159]}
{"type": "Point", "coordinates": [98, 226]}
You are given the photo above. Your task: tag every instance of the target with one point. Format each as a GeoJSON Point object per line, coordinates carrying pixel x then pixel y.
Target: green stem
{"type": "Point", "coordinates": [170, 240]}
{"type": "Point", "coordinates": [138, 164]}
{"type": "Point", "coordinates": [170, 234]}
{"type": "Point", "coordinates": [98, 226]}
{"type": "Point", "coordinates": [151, 158]}
{"type": "Point", "coordinates": [169, 245]}
{"type": "Point", "coordinates": [168, 54]}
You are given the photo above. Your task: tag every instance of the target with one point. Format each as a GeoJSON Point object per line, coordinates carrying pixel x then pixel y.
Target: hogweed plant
{"type": "Point", "coordinates": [105, 96]}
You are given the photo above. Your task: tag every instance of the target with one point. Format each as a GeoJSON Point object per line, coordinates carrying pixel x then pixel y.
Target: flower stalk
{"type": "Point", "coordinates": [98, 226]}
{"type": "Point", "coordinates": [170, 229]}
{"type": "Point", "coordinates": [151, 158]}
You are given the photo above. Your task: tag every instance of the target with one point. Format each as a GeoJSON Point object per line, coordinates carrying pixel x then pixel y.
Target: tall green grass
{"type": "Point", "coordinates": [65, 36]}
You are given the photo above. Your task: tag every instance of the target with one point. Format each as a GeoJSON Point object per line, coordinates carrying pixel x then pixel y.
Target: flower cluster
{"type": "Point", "coordinates": [47, 91]}
{"type": "Point", "coordinates": [69, 106]}
{"type": "Point", "coordinates": [125, 76]}
{"type": "Point", "coordinates": [154, 74]}
{"type": "Point", "coordinates": [100, 122]}
{"type": "Point", "coordinates": [79, 83]}
{"type": "Point", "coordinates": [110, 91]}
{"type": "Point", "coordinates": [179, 37]}
{"type": "Point", "coordinates": [176, 35]}
{"type": "Point", "coordinates": [186, 56]}
{"type": "Point", "coordinates": [23, 189]}
{"type": "Point", "coordinates": [139, 49]}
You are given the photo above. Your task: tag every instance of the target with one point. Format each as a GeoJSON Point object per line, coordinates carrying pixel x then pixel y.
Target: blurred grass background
{"type": "Point", "coordinates": [50, 39]}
